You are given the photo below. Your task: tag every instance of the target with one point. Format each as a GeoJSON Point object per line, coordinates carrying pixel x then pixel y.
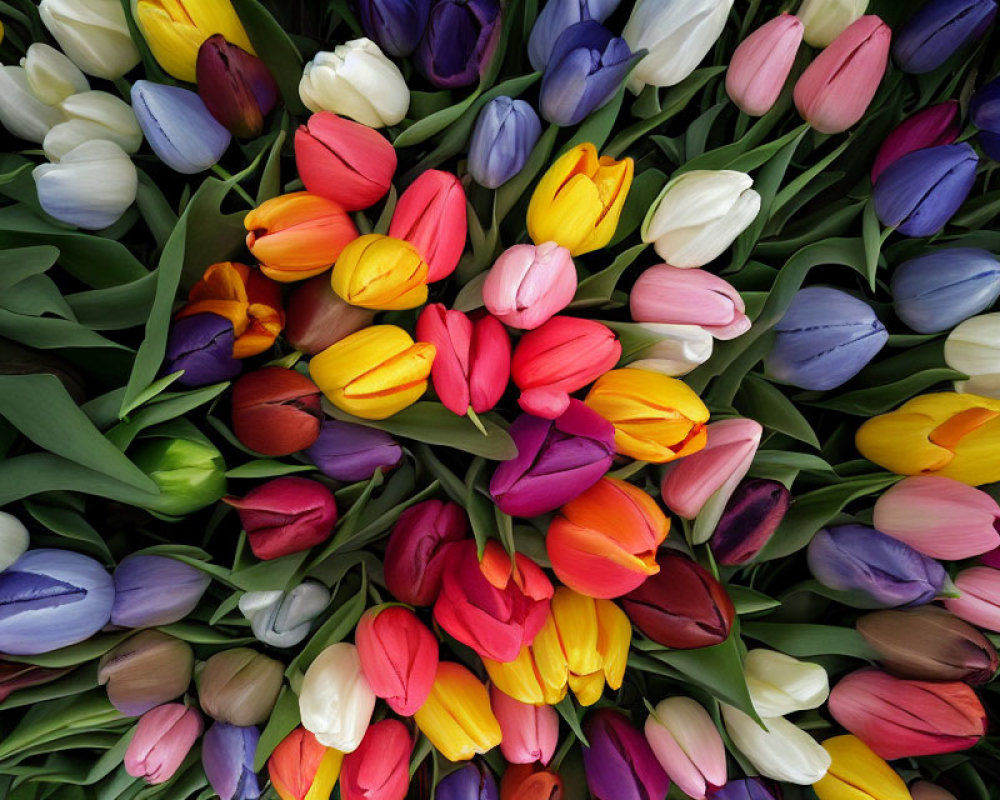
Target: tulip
{"type": "Point", "coordinates": [681, 605]}
{"type": "Point", "coordinates": [762, 63]}
{"type": "Point", "coordinates": [971, 348]}
{"type": "Point", "coordinates": [236, 87]}
{"type": "Point", "coordinates": [283, 619]}
{"type": "Point", "coordinates": [749, 520]}
{"type": "Point", "coordinates": [399, 657]}
{"type": "Point", "coordinates": [189, 472]}
{"type": "Point", "coordinates": [991, 559]}
{"type": "Point", "coordinates": [782, 751]}
{"type": "Point", "coordinates": [379, 768]}
{"type": "Point", "coordinates": [530, 733]}
{"type": "Point", "coordinates": [431, 216]}
{"type": "Point", "coordinates": [474, 781]}
{"type": "Point", "coordinates": [93, 33]}
{"type": "Point", "coordinates": [527, 285]}
{"type": "Point", "coordinates": [675, 296]}
{"type": "Point", "coordinates": [506, 132]}
{"type": "Point", "coordinates": [458, 42]}
{"type": "Point", "coordinates": [457, 718]}
{"type": "Point", "coordinates": [530, 782]}
{"type": "Point", "coordinates": [51, 76]}
{"type": "Point", "coordinates": [201, 347]}
{"type": "Point", "coordinates": [556, 16]}
{"type": "Point", "coordinates": [671, 350]}
{"type": "Point", "coordinates": [677, 33]}
{"type": "Point", "coordinates": [336, 700]}
{"type": "Point", "coordinates": [50, 599]}
{"type": "Point", "coordinates": [14, 539]}
{"type": "Point", "coordinates": [948, 434]}
{"type": "Point", "coordinates": [586, 67]}
{"type": "Point", "coordinates": [747, 789]}
{"type": "Point", "coordinates": [417, 550]}
{"type": "Point", "coordinates": [227, 754]}
{"type": "Point", "coordinates": [938, 30]}
{"type": "Point", "coordinates": [903, 719]}
{"type": "Point", "coordinates": [240, 686]}
{"type": "Point", "coordinates": [347, 452]}
{"type": "Point", "coordinates": [687, 745]}
{"type": "Point", "coordinates": [318, 318]}
{"type": "Point", "coordinates": [856, 772]}
{"type": "Point", "coordinates": [375, 372]}
{"type": "Point", "coordinates": [146, 670]}
{"type": "Point", "coordinates": [301, 768]}
{"type": "Point", "coordinates": [929, 644]}
{"type": "Point", "coordinates": [619, 763]}
{"type": "Point", "coordinates": [344, 81]}
{"type": "Point", "coordinates": [781, 685]}
{"type": "Point", "coordinates": [155, 590]}
{"type": "Point", "coordinates": [836, 88]}
{"type": "Point", "coordinates": [579, 199]}
{"type": "Point", "coordinates": [395, 25]}
{"type": "Point", "coordinates": [276, 411]}
{"type": "Point", "coordinates": [162, 740]}
{"type": "Point", "coordinates": [979, 602]}
{"type": "Point", "coordinates": [984, 111]}
{"type": "Point", "coordinates": [21, 113]}
{"type": "Point", "coordinates": [93, 115]}
{"type": "Point", "coordinates": [381, 273]}
{"type": "Point", "coordinates": [925, 790]}
{"type": "Point", "coordinates": [825, 20]}
{"type": "Point", "coordinates": [931, 127]}
{"type": "Point", "coordinates": [344, 161]}
{"type": "Point", "coordinates": [936, 291]}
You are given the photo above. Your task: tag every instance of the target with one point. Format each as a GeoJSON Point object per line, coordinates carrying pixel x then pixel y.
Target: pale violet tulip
{"type": "Point", "coordinates": [91, 187]}
{"type": "Point", "coordinates": [21, 113]}
{"type": "Point", "coordinates": [93, 115]}
{"type": "Point", "coordinates": [825, 20]}
{"type": "Point", "coordinates": [677, 350]}
{"type": "Point", "coordinates": [93, 33]}
{"type": "Point", "coordinates": [51, 75]}
{"type": "Point", "coordinates": [699, 214]}
{"type": "Point", "coordinates": [178, 127]}
{"type": "Point", "coordinates": [506, 132]}
{"type": "Point", "coordinates": [783, 752]}
{"type": "Point", "coordinates": [973, 347]}
{"type": "Point", "coordinates": [13, 539]}
{"type": "Point", "coordinates": [688, 745]}
{"type": "Point", "coordinates": [336, 701]}
{"type": "Point", "coordinates": [283, 619]}
{"type": "Point", "coordinates": [155, 590]}
{"type": "Point", "coordinates": [780, 684]}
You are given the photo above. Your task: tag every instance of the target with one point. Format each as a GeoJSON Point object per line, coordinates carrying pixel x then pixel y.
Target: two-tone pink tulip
{"type": "Point", "coordinates": [675, 296]}
{"type": "Point", "coordinates": [528, 284]}
{"type": "Point", "coordinates": [530, 733]}
{"type": "Point", "coordinates": [979, 601]}
{"type": "Point", "coordinates": [688, 745]}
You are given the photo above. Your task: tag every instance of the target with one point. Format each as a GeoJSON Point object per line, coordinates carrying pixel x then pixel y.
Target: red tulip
{"type": "Point", "coordinates": [379, 768]}
{"type": "Point", "coordinates": [276, 411]}
{"type": "Point", "coordinates": [418, 547]}
{"type": "Point", "coordinates": [530, 733]}
{"type": "Point", "coordinates": [399, 657]}
{"type": "Point", "coordinates": [236, 87]}
{"type": "Point", "coordinates": [530, 782]}
{"type": "Point", "coordinates": [431, 216]}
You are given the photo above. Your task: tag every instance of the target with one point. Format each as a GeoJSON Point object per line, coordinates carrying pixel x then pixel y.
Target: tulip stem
{"type": "Point", "coordinates": [236, 187]}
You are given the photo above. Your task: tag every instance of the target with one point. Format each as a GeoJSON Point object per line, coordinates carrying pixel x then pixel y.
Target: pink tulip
{"type": "Point", "coordinates": [980, 600]}
{"type": "Point", "coordinates": [379, 768]}
{"type": "Point", "coordinates": [530, 733]}
{"type": "Point", "coordinates": [836, 88]}
{"type": "Point", "coordinates": [472, 364]}
{"type": "Point", "coordinates": [675, 296]}
{"type": "Point", "coordinates": [431, 216]}
{"type": "Point", "coordinates": [761, 64]}
{"type": "Point", "coordinates": [939, 517]}
{"type": "Point", "coordinates": [530, 283]}
{"type": "Point", "coordinates": [991, 559]}
{"type": "Point", "coordinates": [688, 746]}
{"type": "Point", "coordinates": [162, 740]}
{"type": "Point", "coordinates": [931, 127]}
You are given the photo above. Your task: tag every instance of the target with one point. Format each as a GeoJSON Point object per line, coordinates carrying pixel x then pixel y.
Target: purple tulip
{"type": "Point", "coordinates": [921, 191]}
{"type": "Point", "coordinates": [825, 338]}
{"type": "Point", "coordinates": [985, 113]}
{"type": "Point", "coordinates": [747, 789]}
{"type": "Point", "coordinates": [202, 346]}
{"type": "Point", "coordinates": [751, 517]}
{"type": "Point", "coordinates": [938, 30]}
{"type": "Point", "coordinates": [874, 570]}
{"type": "Point", "coordinates": [348, 452]}
{"type": "Point", "coordinates": [620, 764]}
{"type": "Point", "coordinates": [50, 599]}
{"type": "Point", "coordinates": [557, 16]}
{"type": "Point", "coordinates": [155, 590]}
{"type": "Point", "coordinates": [931, 127]}
{"type": "Point", "coordinates": [459, 41]}
{"type": "Point", "coordinates": [474, 781]}
{"type": "Point", "coordinates": [505, 134]}
{"type": "Point", "coordinates": [557, 460]}
{"type": "Point", "coordinates": [395, 25]}
{"type": "Point", "coordinates": [227, 753]}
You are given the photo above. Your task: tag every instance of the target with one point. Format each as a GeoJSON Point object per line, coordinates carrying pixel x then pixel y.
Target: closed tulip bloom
{"type": "Point", "coordinates": [344, 160]}
{"type": "Point", "coordinates": [555, 17]}
{"type": "Point", "coordinates": [984, 110]}
{"type": "Point", "coordinates": [674, 350]}
{"type": "Point", "coordinates": [155, 590]}
{"type": "Point", "coordinates": [283, 619]}
{"type": "Point", "coordinates": [747, 789]}
{"type": "Point", "coordinates": [399, 656]}
{"type": "Point", "coordinates": [301, 768]}
{"type": "Point", "coordinates": [336, 700]}
{"type": "Point", "coordinates": [227, 754]}
{"type": "Point", "coordinates": [201, 346]}
{"type": "Point", "coordinates": [276, 411]}
{"type": "Point", "coordinates": [318, 317]}
{"type": "Point", "coordinates": [14, 539]}
{"type": "Point", "coordinates": [783, 751]}
{"type": "Point", "coordinates": [348, 452]}
{"type": "Point", "coordinates": [971, 348]}
{"type": "Point", "coordinates": [395, 25]}
{"type": "Point", "coordinates": [473, 781]}
{"type": "Point", "coordinates": [925, 790]}
{"type": "Point", "coordinates": [52, 76]}
{"type": "Point", "coordinates": [687, 745]}
{"type": "Point", "coordinates": [240, 686]}
{"type": "Point", "coordinates": [189, 472]}
{"type": "Point", "coordinates": [836, 88]}
{"type": "Point", "coordinates": [619, 763]}
{"type": "Point", "coordinates": [530, 782]}
{"type": "Point", "coordinates": [938, 30]}
{"type": "Point", "coordinates": [356, 80]}
{"type": "Point", "coordinates": [579, 199]}
{"type": "Point", "coordinates": [825, 20]}
{"type": "Point", "coordinates": [21, 113]}
{"type": "Point", "coordinates": [431, 216]}
{"type": "Point", "coordinates": [457, 718]}
{"type": "Point", "coordinates": [162, 740]}
{"type": "Point", "coordinates": [380, 273]}
{"type": "Point", "coordinates": [979, 602]}
{"type": "Point", "coordinates": [903, 719]}
{"type": "Point", "coordinates": [530, 733]}
{"type": "Point", "coordinates": [750, 518]}
{"type": "Point", "coordinates": [236, 87]}
{"type": "Point", "coordinates": [529, 284]}
{"type": "Point", "coordinates": [93, 33]}
{"type": "Point", "coordinates": [675, 296]}
{"type": "Point", "coordinates": [146, 670]}
{"type": "Point", "coordinates": [375, 372]}
{"type": "Point", "coordinates": [780, 685]}
{"type": "Point", "coordinates": [931, 127]}
{"type": "Point", "coordinates": [856, 772]}
{"type": "Point", "coordinates": [762, 63]}
{"type": "Point", "coordinates": [506, 132]}
{"type": "Point", "coordinates": [379, 768]}
{"type": "Point", "coordinates": [417, 551]}
{"type": "Point", "coordinates": [458, 42]}
{"type": "Point", "coordinates": [93, 115]}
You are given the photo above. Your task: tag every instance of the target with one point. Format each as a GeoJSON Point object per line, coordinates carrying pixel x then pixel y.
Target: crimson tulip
{"type": "Point", "coordinates": [379, 768]}
{"type": "Point", "coordinates": [399, 656]}
{"type": "Point", "coordinates": [418, 547]}
{"type": "Point", "coordinates": [276, 411]}
{"type": "Point", "coordinates": [236, 87]}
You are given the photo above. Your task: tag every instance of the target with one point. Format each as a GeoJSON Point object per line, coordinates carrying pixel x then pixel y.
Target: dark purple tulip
{"type": "Point", "coordinates": [227, 753]}
{"type": "Point", "coordinates": [921, 191]}
{"type": "Point", "coordinates": [202, 346]}
{"type": "Point", "coordinates": [587, 65]}
{"type": "Point", "coordinates": [459, 41]}
{"type": "Point", "coordinates": [825, 338]}
{"type": "Point", "coordinates": [938, 30]}
{"type": "Point", "coordinates": [348, 452]}
{"type": "Point", "coordinates": [474, 781]}
{"type": "Point", "coordinates": [985, 113]}
{"type": "Point", "coordinates": [620, 764]}
{"type": "Point", "coordinates": [872, 569]}
{"type": "Point", "coordinates": [933, 126]}
{"type": "Point", "coordinates": [155, 590]}
{"type": "Point", "coordinates": [747, 789]}
{"type": "Point", "coordinates": [557, 460]}
{"type": "Point", "coordinates": [557, 16]}
{"type": "Point", "coordinates": [236, 87]}
{"type": "Point", "coordinates": [395, 25]}
{"type": "Point", "coordinates": [751, 517]}
{"type": "Point", "coordinates": [505, 134]}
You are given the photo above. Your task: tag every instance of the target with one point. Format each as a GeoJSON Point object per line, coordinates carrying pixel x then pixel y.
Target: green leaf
{"type": "Point", "coordinates": [57, 718]}
{"type": "Point", "coordinates": [267, 468]}
{"type": "Point", "coordinates": [283, 720]}
{"type": "Point", "coordinates": [764, 402]}
{"type": "Point", "coordinates": [71, 524]}
{"type": "Point", "coordinates": [88, 650]}
{"type": "Point", "coordinates": [871, 235]}
{"type": "Point", "coordinates": [568, 711]}
{"type": "Point", "coordinates": [23, 262]}
{"type": "Point", "coordinates": [599, 287]}
{"type": "Point", "coordinates": [454, 488]}
{"type": "Point", "coordinates": [879, 399]}
{"type": "Point", "coordinates": [749, 601]}
{"type": "Point", "coordinates": [479, 507]}
{"type": "Point", "coordinates": [804, 640]}
{"type": "Point", "coordinates": [340, 624]}
{"type": "Point", "coordinates": [275, 49]}
{"type": "Point", "coordinates": [425, 128]}
{"type": "Point", "coordinates": [646, 187]}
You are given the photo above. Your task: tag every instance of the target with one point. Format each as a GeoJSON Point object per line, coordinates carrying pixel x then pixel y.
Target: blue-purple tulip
{"type": "Point", "coordinates": [936, 291]}
{"type": "Point", "coordinates": [873, 570]}
{"type": "Point", "coordinates": [202, 346]}
{"type": "Point", "coordinates": [506, 131]}
{"type": "Point", "coordinates": [920, 192]}
{"type": "Point", "coordinates": [459, 41]}
{"type": "Point", "coordinates": [747, 789]}
{"type": "Point", "coordinates": [348, 452]}
{"type": "Point", "coordinates": [587, 65]}
{"type": "Point", "coordinates": [938, 30]}
{"type": "Point", "coordinates": [155, 590]}
{"type": "Point", "coordinates": [557, 16]}
{"type": "Point", "coordinates": [237, 87]}
{"type": "Point", "coordinates": [620, 764]}
{"type": "Point", "coordinates": [557, 460]}
{"type": "Point", "coordinates": [50, 599]}
{"type": "Point", "coordinates": [395, 25]}
{"type": "Point", "coordinates": [227, 753]}
{"type": "Point", "coordinates": [751, 517]}
{"type": "Point", "coordinates": [474, 781]}
{"type": "Point", "coordinates": [825, 338]}
{"type": "Point", "coordinates": [985, 114]}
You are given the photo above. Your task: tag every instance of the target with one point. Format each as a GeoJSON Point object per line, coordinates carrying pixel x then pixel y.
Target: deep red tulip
{"type": "Point", "coordinates": [276, 411]}
{"type": "Point", "coordinates": [399, 656]}
{"type": "Point", "coordinates": [530, 782]}
{"type": "Point", "coordinates": [236, 87]}
{"type": "Point", "coordinates": [418, 546]}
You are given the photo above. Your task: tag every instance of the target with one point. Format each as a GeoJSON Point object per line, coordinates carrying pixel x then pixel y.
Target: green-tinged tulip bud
{"type": "Point", "coordinates": [240, 686]}
{"type": "Point", "coordinates": [146, 670]}
{"type": "Point", "coordinates": [189, 472]}
{"type": "Point", "coordinates": [52, 77]}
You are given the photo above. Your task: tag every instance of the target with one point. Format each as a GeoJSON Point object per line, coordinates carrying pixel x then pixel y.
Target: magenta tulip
{"type": "Point", "coordinates": [418, 547]}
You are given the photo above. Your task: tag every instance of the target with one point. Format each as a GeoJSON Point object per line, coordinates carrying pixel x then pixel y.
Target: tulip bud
{"type": "Point", "coordinates": [780, 751]}
{"type": "Point", "coordinates": [506, 132]}
{"type": "Point", "coordinates": [344, 161]}
{"type": "Point", "coordinates": [227, 754]}
{"type": "Point", "coordinates": [162, 740]}
{"type": "Point", "coordinates": [931, 127]}
{"type": "Point", "coordinates": [555, 17]}
{"type": "Point", "coordinates": [146, 670]}
{"type": "Point", "coordinates": [747, 789]}
{"type": "Point", "coordinates": [202, 347]}
{"type": "Point", "coordinates": [474, 781]}
{"type": "Point", "coordinates": [530, 782]}
{"type": "Point", "coordinates": [762, 63]}
{"type": "Point", "coordinates": [527, 285]}
{"type": "Point", "coordinates": [348, 452]}
{"type": "Point", "coordinates": [457, 717]}
{"type": "Point", "coordinates": [856, 771]}
{"type": "Point", "coordinates": [381, 273]}
{"type": "Point", "coordinates": [685, 741]}
{"type": "Point", "coordinates": [938, 30]}
{"type": "Point", "coordinates": [52, 77]}
{"type": "Point", "coordinates": [379, 768]}
{"type": "Point", "coordinates": [240, 686]}
{"type": "Point", "coordinates": [979, 602]}
{"type": "Point", "coordinates": [155, 590]}
{"type": "Point", "coordinates": [93, 33]}
{"type": "Point", "coordinates": [825, 20]}
{"type": "Point", "coordinates": [924, 790]}
{"type": "Point", "coordinates": [431, 216]}
{"type": "Point", "coordinates": [51, 599]}
{"type": "Point", "coordinates": [399, 657]}
{"type": "Point", "coordinates": [283, 619]}
{"type": "Point", "coordinates": [301, 768]}
{"type": "Point", "coordinates": [189, 473]}
{"type": "Point", "coordinates": [336, 700]}
{"type": "Point", "coordinates": [751, 517]}
{"type": "Point", "coordinates": [93, 115]}
{"type": "Point", "coordinates": [530, 733]}
{"type": "Point", "coordinates": [395, 25]}
{"type": "Point", "coordinates": [418, 545]}
{"type": "Point", "coordinates": [318, 318]}
{"type": "Point", "coordinates": [341, 82]}
{"type": "Point", "coordinates": [276, 411]}
{"type": "Point", "coordinates": [971, 348]}
{"type": "Point", "coordinates": [21, 113]}
{"type": "Point", "coordinates": [236, 87]}
{"type": "Point", "coordinates": [13, 539]}
{"type": "Point", "coordinates": [619, 763]}
{"type": "Point", "coordinates": [675, 296]}
{"type": "Point", "coordinates": [780, 685]}
{"type": "Point", "coordinates": [459, 41]}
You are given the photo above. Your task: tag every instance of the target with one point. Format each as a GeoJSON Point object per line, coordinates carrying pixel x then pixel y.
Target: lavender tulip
{"type": "Point", "coordinates": [872, 569]}
{"type": "Point", "coordinates": [985, 113]}
{"type": "Point", "coordinates": [825, 338]}
{"type": "Point", "coordinates": [506, 131]}
{"type": "Point", "coordinates": [936, 291]}
{"type": "Point", "coordinates": [938, 30]}
{"type": "Point", "coordinates": [751, 517]}
{"type": "Point", "coordinates": [395, 25]}
{"type": "Point", "coordinates": [227, 753]}
{"type": "Point", "coordinates": [620, 764]}
{"type": "Point", "coordinates": [747, 789]}
{"type": "Point", "coordinates": [155, 590]}
{"type": "Point", "coordinates": [557, 16]}
{"type": "Point", "coordinates": [202, 346]}
{"type": "Point", "coordinates": [459, 41]}
{"type": "Point", "coordinates": [50, 599]}
{"type": "Point", "coordinates": [348, 452]}
{"type": "Point", "coordinates": [474, 781]}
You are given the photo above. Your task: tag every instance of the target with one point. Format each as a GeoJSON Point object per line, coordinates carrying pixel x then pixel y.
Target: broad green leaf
{"type": "Point", "coordinates": [71, 524]}
{"type": "Point", "coordinates": [88, 650]}
{"type": "Point", "coordinates": [749, 601]}
{"type": "Point", "coordinates": [283, 720]}
{"type": "Point", "coordinates": [267, 468]}
{"type": "Point", "coordinates": [23, 262]}
{"type": "Point", "coordinates": [599, 287]}
{"type": "Point", "coordinates": [764, 402]}
{"type": "Point", "coordinates": [805, 640]}
{"type": "Point", "coordinates": [425, 128]}
{"type": "Point", "coordinates": [879, 399]}
{"type": "Point", "coordinates": [275, 49]}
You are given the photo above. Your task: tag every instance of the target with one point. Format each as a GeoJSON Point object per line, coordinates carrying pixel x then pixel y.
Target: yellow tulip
{"type": "Point", "coordinates": [856, 773]}
{"type": "Point", "coordinates": [175, 29]}
{"type": "Point", "coordinates": [457, 717]}
{"type": "Point", "coordinates": [375, 372]}
{"type": "Point", "coordinates": [381, 273]}
{"type": "Point", "coordinates": [656, 418]}
{"type": "Point", "coordinates": [577, 203]}
{"type": "Point", "coordinates": [953, 435]}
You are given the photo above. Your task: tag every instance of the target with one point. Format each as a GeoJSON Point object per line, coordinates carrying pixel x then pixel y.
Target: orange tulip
{"type": "Point", "coordinates": [301, 768]}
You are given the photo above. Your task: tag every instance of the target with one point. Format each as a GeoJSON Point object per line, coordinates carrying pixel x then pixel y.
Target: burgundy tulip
{"type": "Point", "coordinates": [317, 317]}
{"type": "Point", "coordinates": [418, 544]}
{"type": "Point", "coordinates": [276, 411]}
{"type": "Point", "coordinates": [751, 517]}
{"type": "Point", "coordinates": [236, 87]}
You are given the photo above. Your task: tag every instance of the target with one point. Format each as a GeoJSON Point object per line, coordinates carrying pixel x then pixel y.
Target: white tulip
{"type": "Point", "coordinates": [13, 539]}
{"type": "Point", "coordinates": [825, 20]}
{"type": "Point", "coordinates": [335, 701]}
{"type": "Point", "coordinates": [93, 33]}
{"type": "Point", "coordinates": [21, 113]}
{"type": "Point", "coordinates": [780, 684]}
{"type": "Point", "coordinates": [973, 347]}
{"type": "Point", "coordinates": [679, 350]}
{"type": "Point", "coordinates": [283, 619]}
{"type": "Point", "coordinates": [93, 115]}
{"type": "Point", "coordinates": [783, 752]}
{"type": "Point", "coordinates": [51, 75]}
{"type": "Point", "coordinates": [687, 744]}
{"type": "Point", "coordinates": [356, 80]}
